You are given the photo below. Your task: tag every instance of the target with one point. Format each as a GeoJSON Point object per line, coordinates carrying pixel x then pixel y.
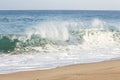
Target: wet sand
{"type": "Point", "coordinates": [94, 71]}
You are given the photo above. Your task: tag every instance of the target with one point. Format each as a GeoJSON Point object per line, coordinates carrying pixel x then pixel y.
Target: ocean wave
{"type": "Point", "coordinates": [55, 36]}
{"type": "Point", "coordinates": [4, 19]}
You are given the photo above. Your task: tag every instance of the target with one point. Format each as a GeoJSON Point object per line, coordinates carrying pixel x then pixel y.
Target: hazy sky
{"type": "Point", "coordinates": [60, 4]}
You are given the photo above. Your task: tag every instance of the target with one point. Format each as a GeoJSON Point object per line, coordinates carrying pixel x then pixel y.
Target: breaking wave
{"type": "Point", "coordinates": [62, 36]}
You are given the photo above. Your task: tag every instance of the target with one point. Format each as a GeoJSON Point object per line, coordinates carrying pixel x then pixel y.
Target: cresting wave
{"type": "Point", "coordinates": [61, 36]}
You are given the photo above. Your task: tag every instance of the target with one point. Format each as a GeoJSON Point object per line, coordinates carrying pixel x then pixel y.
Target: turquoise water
{"type": "Point", "coordinates": [43, 26]}
{"type": "Point", "coordinates": [40, 39]}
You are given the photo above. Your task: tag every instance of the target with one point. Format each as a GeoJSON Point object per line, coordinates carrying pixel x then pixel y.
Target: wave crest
{"type": "Point", "coordinates": [55, 36]}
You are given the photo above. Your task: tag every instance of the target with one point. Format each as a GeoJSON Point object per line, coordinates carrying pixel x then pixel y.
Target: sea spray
{"type": "Point", "coordinates": [57, 34]}
{"type": "Point", "coordinates": [31, 40]}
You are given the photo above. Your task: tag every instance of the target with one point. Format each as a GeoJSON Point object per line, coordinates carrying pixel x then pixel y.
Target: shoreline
{"type": "Point", "coordinates": [35, 69]}
{"type": "Point", "coordinates": [107, 70]}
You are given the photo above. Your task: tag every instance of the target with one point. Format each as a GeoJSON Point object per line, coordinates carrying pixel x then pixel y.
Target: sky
{"type": "Point", "coordinates": [59, 4]}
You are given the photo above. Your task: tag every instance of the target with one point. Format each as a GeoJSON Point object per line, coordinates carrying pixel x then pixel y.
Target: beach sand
{"type": "Point", "coordinates": [93, 71]}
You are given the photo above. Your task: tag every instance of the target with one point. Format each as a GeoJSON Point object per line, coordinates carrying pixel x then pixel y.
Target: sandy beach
{"type": "Point", "coordinates": [93, 71]}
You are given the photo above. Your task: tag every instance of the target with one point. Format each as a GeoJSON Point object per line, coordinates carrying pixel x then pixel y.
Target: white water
{"type": "Point", "coordinates": [51, 30]}
{"type": "Point", "coordinates": [75, 45]}
{"type": "Point", "coordinates": [36, 60]}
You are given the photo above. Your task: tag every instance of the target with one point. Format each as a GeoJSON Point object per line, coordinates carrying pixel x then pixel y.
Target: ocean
{"type": "Point", "coordinates": [45, 39]}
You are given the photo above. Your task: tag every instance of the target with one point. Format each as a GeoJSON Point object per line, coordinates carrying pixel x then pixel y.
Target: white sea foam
{"type": "Point", "coordinates": [51, 30]}
{"type": "Point", "coordinates": [37, 60]}
{"type": "Point", "coordinates": [55, 43]}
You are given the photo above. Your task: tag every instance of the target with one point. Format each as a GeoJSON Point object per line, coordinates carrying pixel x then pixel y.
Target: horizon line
{"type": "Point", "coordinates": [56, 10]}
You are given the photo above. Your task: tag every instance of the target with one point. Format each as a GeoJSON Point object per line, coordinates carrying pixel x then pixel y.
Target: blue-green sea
{"type": "Point", "coordinates": [42, 39]}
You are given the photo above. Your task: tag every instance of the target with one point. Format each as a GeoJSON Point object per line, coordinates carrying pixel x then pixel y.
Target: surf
{"type": "Point", "coordinates": [31, 40]}
{"type": "Point", "coordinates": [60, 36]}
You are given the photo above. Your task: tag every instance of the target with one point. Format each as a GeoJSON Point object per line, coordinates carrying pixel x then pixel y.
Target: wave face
{"type": "Point", "coordinates": [48, 39]}
{"type": "Point", "coordinates": [60, 35]}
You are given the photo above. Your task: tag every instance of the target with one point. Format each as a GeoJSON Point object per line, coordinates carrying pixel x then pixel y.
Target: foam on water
{"type": "Point", "coordinates": [60, 35]}
{"type": "Point", "coordinates": [36, 60]}
{"type": "Point", "coordinates": [51, 30]}
{"type": "Point", "coordinates": [53, 43]}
